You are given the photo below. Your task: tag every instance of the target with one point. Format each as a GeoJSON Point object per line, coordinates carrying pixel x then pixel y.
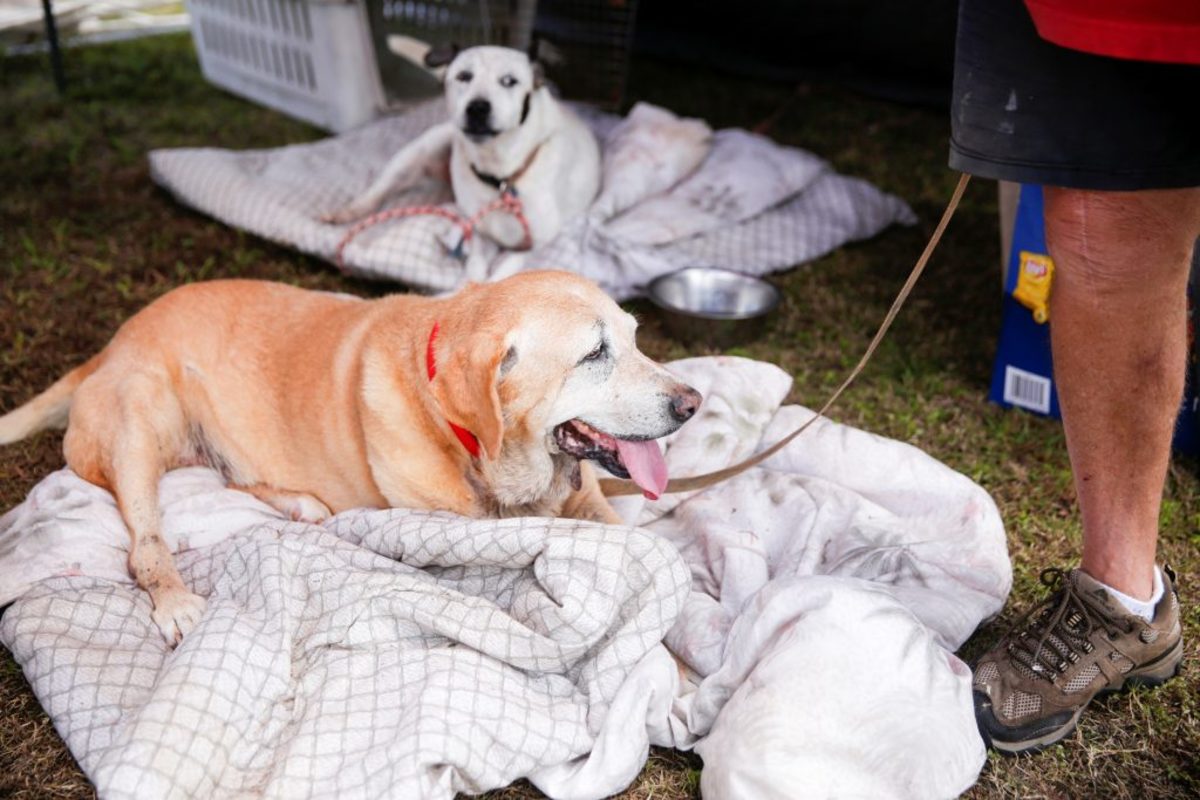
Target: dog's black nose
{"type": "Point", "coordinates": [479, 109]}
{"type": "Point", "coordinates": [684, 403]}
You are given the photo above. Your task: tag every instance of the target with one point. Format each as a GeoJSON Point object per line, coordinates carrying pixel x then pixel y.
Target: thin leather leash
{"type": "Point", "coordinates": [612, 487]}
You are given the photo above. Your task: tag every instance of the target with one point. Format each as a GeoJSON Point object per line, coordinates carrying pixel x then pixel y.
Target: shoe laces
{"type": "Point", "coordinates": [1055, 633]}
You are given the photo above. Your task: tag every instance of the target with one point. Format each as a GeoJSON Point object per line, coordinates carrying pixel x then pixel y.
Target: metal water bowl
{"type": "Point", "coordinates": [717, 307]}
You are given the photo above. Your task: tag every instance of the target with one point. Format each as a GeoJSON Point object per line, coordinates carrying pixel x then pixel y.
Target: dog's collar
{"type": "Point", "coordinates": [468, 439]}
{"type": "Point", "coordinates": [506, 184]}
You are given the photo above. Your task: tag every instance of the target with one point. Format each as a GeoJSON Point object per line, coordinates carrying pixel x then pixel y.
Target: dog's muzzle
{"type": "Point", "coordinates": [478, 118]}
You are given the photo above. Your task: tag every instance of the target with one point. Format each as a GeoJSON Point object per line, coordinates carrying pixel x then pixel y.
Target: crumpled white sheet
{"type": "Point", "coordinates": [827, 591]}
{"type": "Point", "coordinates": [667, 202]}
{"type": "Point", "coordinates": [831, 586]}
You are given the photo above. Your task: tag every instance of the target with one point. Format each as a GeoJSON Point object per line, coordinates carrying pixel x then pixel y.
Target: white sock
{"type": "Point", "coordinates": [1143, 608]}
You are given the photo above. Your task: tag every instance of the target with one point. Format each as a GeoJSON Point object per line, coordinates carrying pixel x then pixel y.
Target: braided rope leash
{"type": "Point", "coordinates": [612, 487]}
{"type": "Point", "coordinates": [508, 202]}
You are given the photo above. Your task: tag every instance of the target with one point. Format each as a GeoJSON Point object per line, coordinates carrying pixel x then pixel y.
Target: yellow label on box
{"type": "Point", "coordinates": [1035, 272]}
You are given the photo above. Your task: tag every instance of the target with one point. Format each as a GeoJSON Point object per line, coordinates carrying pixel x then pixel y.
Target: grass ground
{"type": "Point", "coordinates": [86, 239]}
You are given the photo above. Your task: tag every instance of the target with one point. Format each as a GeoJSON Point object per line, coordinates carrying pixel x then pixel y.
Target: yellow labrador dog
{"type": "Point", "coordinates": [483, 403]}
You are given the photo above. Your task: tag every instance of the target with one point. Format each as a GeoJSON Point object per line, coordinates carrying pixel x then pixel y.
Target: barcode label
{"type": "Point", "coordinates": [1026, 390]}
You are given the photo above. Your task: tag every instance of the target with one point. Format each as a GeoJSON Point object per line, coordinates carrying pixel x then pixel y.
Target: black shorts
{"type": "Point", "coordinates": [1029, 111]}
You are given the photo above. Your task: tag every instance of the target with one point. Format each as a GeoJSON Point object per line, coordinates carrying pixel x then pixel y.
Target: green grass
{"type": "Point", "coordinates": [86, 239]}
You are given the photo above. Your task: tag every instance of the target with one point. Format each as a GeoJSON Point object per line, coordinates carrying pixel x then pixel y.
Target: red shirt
{"type": "Point", "coordinates": [1145, 30]}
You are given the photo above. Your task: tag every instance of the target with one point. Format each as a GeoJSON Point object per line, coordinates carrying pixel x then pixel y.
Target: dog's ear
{"type": "Point", "coordinates": [466, 384]}
{"type": "Point", "coordinates": [440, 55]}
{"type": "Point", "coordinates": [542, 54]}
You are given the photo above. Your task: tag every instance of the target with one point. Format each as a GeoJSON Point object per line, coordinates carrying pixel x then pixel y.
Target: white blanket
{"type": "Point", "coordinates": [814, 603]}
{"type": "Point", "coordinates": [751, 205]}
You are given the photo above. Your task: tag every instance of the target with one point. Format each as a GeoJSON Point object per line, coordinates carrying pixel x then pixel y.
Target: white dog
{"type": "Point", "coordinates": [506, 132]}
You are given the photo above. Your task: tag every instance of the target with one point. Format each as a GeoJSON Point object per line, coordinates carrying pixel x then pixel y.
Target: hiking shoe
{"type": "Point", "coordinates": [1078, 643]}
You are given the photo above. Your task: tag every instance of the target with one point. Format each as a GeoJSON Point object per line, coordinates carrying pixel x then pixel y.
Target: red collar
{"type": "Point", "coordinates": [465, 436]}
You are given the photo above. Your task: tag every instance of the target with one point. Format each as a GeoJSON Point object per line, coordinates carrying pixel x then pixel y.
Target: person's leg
{"type": "Point", "coordinates": [1028, 111]}
{"type": "Point", "coordinates": [1118, 307]}
{"type": "Point", "coordinates": [1118, 330]}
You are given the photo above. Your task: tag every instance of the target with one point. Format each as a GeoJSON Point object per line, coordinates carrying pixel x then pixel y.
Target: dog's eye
{"type": "Point", "coordinates": [508, 81]}
{"type": "Point", "coordinates": [465, 76]}
{"type": "Point", "coordinates": [596, 354]}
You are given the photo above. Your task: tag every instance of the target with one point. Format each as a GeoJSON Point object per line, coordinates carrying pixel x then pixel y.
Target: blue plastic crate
{"type": "Point", "coordinates": [1022, 375]}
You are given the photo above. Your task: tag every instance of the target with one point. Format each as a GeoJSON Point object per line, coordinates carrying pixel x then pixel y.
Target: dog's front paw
{"type": "Point", "coordinates": [303, 508]}
{"type": "Point", "coordinates": [176, 614]}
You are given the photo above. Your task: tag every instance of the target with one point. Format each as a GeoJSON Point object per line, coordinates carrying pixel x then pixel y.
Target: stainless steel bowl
{"type": "Point", "coordinates": [713, 306]}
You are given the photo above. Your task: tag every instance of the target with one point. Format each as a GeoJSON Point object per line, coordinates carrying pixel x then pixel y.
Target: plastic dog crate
{"type": "Point", "coordinates": [585, 44]}
{"type": "Point", "coordinates": [462, 23]}
{"type": "Point", "coordinates": [310, 59]}
{"type": "Point", "coordinates": [328, 62]}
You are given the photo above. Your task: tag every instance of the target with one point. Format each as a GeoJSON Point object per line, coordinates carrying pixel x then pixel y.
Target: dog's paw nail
{"type": "Point", "coordinates": [177, 614]}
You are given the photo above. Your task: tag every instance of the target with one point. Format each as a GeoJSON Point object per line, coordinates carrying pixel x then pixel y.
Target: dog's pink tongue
{"type": "Point", "coordinates": [646, 466]}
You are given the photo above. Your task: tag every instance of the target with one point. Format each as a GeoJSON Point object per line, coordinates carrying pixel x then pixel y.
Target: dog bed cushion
{"type": "Point", "coordinates": [796, 625]}
{"type": "Point", "coordinates": [751, 205]}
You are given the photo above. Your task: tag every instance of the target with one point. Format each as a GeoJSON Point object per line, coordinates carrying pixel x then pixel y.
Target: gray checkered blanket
{"type": "Point", "coordinates": [751, 205]}
{"type": "Point", "coordinates": [392, 654]}
{"type": "Point", "coordinates": [796, 625]}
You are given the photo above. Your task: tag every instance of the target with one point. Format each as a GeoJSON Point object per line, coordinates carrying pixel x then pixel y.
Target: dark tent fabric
{"type": "Point", "coordinates": [899, 50]}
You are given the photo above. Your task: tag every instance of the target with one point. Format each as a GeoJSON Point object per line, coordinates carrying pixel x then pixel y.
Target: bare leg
{"type": "Point", "coordinates": [1118, 311]}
